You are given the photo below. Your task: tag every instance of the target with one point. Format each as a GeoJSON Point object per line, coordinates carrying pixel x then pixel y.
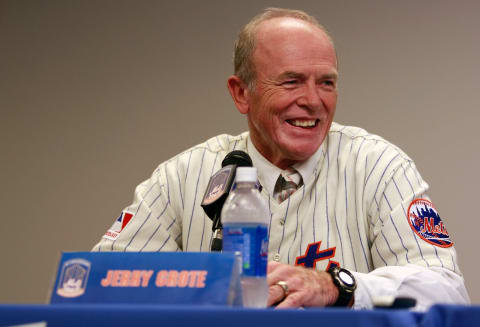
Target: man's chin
{"type": "Point", "coordinates": [302, 153]}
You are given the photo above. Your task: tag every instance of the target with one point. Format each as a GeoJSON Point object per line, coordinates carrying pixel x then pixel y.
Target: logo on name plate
{"type": "Point", "coordinates": [426, 223]}
{"type": "Point", "coordinates": [73, 278]}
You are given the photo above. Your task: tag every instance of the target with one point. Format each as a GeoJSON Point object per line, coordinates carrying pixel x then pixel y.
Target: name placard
{"type": "Point", "coordinates": [147, 277]}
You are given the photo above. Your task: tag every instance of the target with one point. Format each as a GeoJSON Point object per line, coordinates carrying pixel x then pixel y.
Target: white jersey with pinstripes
{"type": "Point", "coordinates": [354, 206]}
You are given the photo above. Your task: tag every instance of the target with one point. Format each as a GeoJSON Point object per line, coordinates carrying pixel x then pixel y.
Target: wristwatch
{"type": "Point", "coordinates": [346, 285]}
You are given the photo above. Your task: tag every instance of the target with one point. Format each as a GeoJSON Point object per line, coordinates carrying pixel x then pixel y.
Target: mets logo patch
{"type": "Point", "coordinates": [426, 223]}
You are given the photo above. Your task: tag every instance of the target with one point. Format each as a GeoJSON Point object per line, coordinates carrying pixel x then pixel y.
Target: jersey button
{"type": "Point", "coordinates": [276, 257]}
{"type": "Point", "coordinates": [282, 222]}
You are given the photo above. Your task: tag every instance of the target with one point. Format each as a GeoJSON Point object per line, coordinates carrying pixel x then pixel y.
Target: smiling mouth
{"type": "Point", "coordinates": [303, 123]}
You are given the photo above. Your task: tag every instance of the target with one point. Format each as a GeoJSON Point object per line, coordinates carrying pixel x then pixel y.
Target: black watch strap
{"type": "Point", "coordinates": [346, 285]}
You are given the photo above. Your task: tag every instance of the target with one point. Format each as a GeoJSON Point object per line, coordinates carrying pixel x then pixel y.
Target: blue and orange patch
{"type": "Point", "coordinates": [426, 223]}
{"type": "Point", "coordinates": [313, 254]}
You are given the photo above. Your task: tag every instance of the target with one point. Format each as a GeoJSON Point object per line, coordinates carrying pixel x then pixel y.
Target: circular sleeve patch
{"type": "Point", "coordinates": [426, 223]}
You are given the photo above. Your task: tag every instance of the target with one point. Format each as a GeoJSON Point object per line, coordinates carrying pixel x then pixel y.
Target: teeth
{"type": "Point", "coordinates": [303, 123]}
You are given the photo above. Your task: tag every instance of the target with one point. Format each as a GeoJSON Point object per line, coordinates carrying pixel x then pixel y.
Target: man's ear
{"type": "Point", "coordinates": [239, 92]}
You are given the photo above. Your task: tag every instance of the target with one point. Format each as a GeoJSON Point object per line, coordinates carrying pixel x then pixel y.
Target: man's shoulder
{"type": "Point", "coordinates": [217, 146]}
{"type": "Point", "coordinates": [366, 142]}
{"type": "Point", "coordinates": [221, 143]}
{"type": "Point", "coordinates": [353, 132]}
{"type": "Point", "coordinates": [201, 156]}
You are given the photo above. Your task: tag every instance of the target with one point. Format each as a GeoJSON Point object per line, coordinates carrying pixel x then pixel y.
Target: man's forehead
{"type": "Point", "coordinates": [283, 42]}
{"type": "Point", "coordinates": [288, 27]}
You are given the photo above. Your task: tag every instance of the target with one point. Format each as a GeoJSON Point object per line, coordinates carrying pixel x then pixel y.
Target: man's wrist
{"type": "Point", "coordinates": [333, 291]}
{"type": "Point", "coordinates": [345, 283]}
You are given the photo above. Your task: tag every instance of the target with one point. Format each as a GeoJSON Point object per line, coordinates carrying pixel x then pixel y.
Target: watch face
{"type": "Point", "coordinates": [346, 278]}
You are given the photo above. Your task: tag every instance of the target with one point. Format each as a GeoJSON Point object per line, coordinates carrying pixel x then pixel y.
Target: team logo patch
{"type": "Point", "coordinates": [73, 278]}
{"type": "Point", "coordinates": [118, 226]}
{"type": "Point", "coordinates": [426, 223]}
{"type": "Point", "coordinates": [313, 254]}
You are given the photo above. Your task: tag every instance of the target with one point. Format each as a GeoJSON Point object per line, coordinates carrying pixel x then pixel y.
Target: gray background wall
{"type": "Point", "coordinates": [95, 94]}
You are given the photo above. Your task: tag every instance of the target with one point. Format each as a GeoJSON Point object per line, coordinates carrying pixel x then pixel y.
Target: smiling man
{"type": "Point", "coordinates": [291, 106]}
{"type": "Point", "coordinates": [358, 225]}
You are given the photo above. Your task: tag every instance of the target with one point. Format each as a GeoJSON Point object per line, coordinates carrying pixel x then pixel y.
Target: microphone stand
{"type": "Point", "coordinates": [217, 241]}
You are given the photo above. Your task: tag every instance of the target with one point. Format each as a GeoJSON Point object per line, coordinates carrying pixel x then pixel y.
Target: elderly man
{"type": "Point", "coordinates": [360, 203]}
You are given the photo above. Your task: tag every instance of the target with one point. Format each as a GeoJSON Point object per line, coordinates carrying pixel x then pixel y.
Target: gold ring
{"type": "Point", "coordinates": [284, 287]}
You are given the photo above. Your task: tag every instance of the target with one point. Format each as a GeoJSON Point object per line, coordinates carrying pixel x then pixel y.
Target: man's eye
{"type": "Point", "coordinates": [329, 83]}
{"type": "Point", "coordinates": [290, 82]}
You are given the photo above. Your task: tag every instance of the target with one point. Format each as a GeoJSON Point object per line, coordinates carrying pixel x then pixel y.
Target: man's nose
{"type": "Point", "coordinates": [311, 98]}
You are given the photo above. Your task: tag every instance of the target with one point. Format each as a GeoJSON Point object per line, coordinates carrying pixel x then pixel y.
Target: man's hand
{"type": "Point", "coordinates": [306, 287]}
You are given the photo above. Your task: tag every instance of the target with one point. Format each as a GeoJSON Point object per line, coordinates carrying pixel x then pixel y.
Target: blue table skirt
{"type": "Point", "coordinates": [188, 316]}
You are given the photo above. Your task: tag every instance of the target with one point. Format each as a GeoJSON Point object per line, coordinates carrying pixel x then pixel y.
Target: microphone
{"type": "Point", "coordinates": [218, 189]}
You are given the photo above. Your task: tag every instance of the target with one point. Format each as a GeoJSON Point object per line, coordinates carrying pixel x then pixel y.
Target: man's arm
{"type": "Point", "coordinates": [427, 285]}
{"type": "Point", "coordinates": [412, 252]}
{"type": "Point", "coordinates": [308, 287]}
{"type": "Point", "coordinates": [149, 223]}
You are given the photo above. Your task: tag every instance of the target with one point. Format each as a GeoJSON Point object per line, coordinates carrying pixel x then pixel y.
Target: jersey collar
{"type": "Point", "coordinates": [268, 173]}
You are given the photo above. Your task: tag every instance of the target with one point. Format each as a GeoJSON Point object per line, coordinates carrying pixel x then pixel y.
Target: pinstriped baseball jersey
{"type": "Point", "coordinates": [353, 210]}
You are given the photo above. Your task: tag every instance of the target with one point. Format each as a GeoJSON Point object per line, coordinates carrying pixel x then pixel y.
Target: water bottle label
{"type": "Point", "coordinates": [252, 243]}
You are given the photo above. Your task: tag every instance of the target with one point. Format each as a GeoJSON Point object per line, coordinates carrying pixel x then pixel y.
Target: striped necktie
{"type": "Point", "coordinates": [287, 183]}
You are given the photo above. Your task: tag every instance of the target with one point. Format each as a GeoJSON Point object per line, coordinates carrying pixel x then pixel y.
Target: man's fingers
{"type": "Point", "coordinates": [275, 274]}
{"type": "Point", "coordinates": [306, 287]}
{"type": "Point", "coordinates": [293, 300]}
{"type": "Point", "coordinates": [277, 271]}
{"type": "Point", "coordinates": [275, 294]}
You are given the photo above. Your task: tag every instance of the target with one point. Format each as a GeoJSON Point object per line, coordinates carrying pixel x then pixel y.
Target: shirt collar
{"type": "Point", "coordinates": [268, 173]}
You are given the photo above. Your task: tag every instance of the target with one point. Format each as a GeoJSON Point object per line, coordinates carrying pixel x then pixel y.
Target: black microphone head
{"type": "Point", "coordinates": [238, 158]}
{"type": "Point", "coordinates": [220, 184]}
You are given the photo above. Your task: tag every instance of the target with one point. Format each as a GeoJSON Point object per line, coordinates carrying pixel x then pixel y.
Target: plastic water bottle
{"type": "Point", "coordinates": [245, 218]}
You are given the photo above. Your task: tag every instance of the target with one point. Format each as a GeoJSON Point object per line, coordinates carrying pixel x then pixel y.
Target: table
{"type": "Point", "coordinates": [179, 316]}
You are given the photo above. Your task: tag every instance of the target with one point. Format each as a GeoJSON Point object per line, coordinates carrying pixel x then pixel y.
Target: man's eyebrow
{"type": "Point", "coordinates": [290, 74]}
{"type": "Point", "coordinates": [329, 76]}
{"type": "Point", "coordinates": [297, 75]}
